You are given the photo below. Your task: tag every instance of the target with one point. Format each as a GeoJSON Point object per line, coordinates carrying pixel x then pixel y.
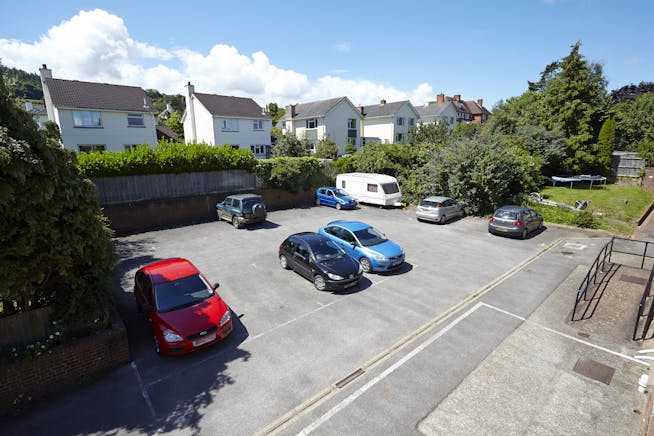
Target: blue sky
{"type": "Point", "coordinates": [301, 51]}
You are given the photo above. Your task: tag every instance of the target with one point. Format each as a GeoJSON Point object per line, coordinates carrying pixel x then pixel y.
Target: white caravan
{"type": "Point", "coordinates": [371, 188]}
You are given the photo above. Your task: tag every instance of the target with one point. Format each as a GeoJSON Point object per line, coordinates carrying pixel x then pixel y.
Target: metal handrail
{"type": "Point", "coordinates": [582, 291]}
{"type": "Point", "coordinates": [641, 309]}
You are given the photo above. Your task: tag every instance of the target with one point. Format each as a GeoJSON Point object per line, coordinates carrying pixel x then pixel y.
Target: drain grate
{"type": "Point", "coordinates": [633, 279]}
{"type": "Point", "coordinates": [594, 370]}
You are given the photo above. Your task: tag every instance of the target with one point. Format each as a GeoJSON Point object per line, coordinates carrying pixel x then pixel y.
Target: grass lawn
{"type": "Point", "coordinates": [620, 205]}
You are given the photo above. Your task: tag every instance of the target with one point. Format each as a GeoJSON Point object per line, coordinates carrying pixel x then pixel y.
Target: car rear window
{"type": "Point", "coordinates": [506, 214]}
{"type": "Point", "coordinates": [250, 202]}
{"type": "Point", "coordinates": [390, 188]}
{"type": "Point", "coordinates": [426, 203]}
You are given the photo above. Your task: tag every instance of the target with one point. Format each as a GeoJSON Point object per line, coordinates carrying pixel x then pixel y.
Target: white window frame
{"type": "Point", "coordinates": [229, 125]}
{"type": "Point", "coordinates": [87, 119]}
{"type": "Point", "coordinates": [257, 124]}
{"type": "Point", "coordinates": [351, 123]}
{"type": "Point", "coordinates": [400, 121]}
{"type": "Point", "coordinates": [313, 121]}
{"type": "Point", "coordinates": [135, 117]}
{"type": "Point", "coordinates": [412, 121]}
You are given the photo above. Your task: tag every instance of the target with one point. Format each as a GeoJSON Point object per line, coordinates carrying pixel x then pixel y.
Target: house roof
{"type": "Point", "coordinates": [314, 109]}
{"type": "Point", "coordinates": [165, 132]}
{"type": "Point", "coordinates": [433, 109]}
{"type": "Point", "coordinates": [383, 110]}
{"type": "Point", "coordinates": [91, 95]}
{"type": "Point", "coordinates": [223, 105]}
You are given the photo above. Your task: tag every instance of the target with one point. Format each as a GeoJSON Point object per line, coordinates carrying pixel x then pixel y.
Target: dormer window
{"type": "Point", "coordinates": [90, 119]}
{"type": "Point", "coordinates": [312, 124]}
{"type": "Point", "coordinates": [135, 120]}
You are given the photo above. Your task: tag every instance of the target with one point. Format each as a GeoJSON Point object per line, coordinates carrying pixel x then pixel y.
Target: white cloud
{"type": "Point", "coordinates": [96, 46]}
{"type": "Point", "coordinates": [633, 61]}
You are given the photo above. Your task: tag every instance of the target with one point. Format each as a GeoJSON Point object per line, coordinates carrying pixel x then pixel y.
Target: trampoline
{"type": "Point", "coordinates": [579, 178]}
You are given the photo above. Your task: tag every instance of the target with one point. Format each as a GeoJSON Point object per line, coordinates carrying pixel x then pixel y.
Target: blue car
{"type": "Point", "coordinates": [366, 244]}
{"type": "Point", "coordinates": [334, 197]}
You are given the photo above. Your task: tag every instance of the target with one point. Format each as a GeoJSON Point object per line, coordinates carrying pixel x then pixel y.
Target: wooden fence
{"type": "Point", "coordinates": [25, 327]}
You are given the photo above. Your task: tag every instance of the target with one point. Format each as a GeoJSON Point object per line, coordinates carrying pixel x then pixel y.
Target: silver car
{"type": "Point", "coordinates": [515, 221]}
{"type": "Point", "coordinates": [438, 209]}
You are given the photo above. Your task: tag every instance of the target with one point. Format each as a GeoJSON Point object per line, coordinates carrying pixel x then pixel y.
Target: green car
{"type": "Point", "coordinates": [242, 209]}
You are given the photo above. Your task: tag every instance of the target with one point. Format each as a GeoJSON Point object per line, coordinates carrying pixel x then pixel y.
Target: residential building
{"type": "Point", "coordinates": [467, 111]}
{"type": "Point", "coordinates": [389, 123]}
{"type": "Point", "coordinates": [438, 112]}
{"type": "Point", "coordinates": [98, 116]}
{"type": "Point", "coordinates": [38, 113]}
{"type": "Point", "coordinates": [335, 119]}
{"type": "Point", "coordinates": [225, 120]}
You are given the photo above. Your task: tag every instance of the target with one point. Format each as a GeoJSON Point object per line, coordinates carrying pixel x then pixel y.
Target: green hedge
{"type": "Point", "coordinates": [290, 173]}
{"type": "Point", "coordinates": [165, 158]}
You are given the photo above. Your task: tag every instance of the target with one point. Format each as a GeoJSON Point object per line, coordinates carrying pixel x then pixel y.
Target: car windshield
{"type": "Point", "coordinates": [326, 250]}
{"type": "Point", "coordinates": [180, 293]}
{"type": "Point", "coordinates": [370, 236]}
{"type": "Point", "coordinates": [426, 203]}
{"type": "Point", "coordinates": [390, 188]}
{"type": "Point", "coordinates": [250, 202]}
{"type": "Point", "coordinates": [340, 193]}
{"type": "Point", "coordinates": [506, 214]}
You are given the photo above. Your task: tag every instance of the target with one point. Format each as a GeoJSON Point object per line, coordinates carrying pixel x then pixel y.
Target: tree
{"type": "Point", "coordinates": [290, 145]}
{"type": "Point", "coordinates": [465, 130]}
{"type": "Point", "coordinates": [604, 151]}
{"type": "Point", "coordinates": [349, 148]}
{"type": "Point", "coordinates": [174, 121]}
{"type": "Point", "coordinates": [56, 246]}
{"type": "Point", "coordinates": [275, 112]}
{"type": "Point", "coordinates": [432, 133]}
{"type": "Point", "coordinates": [634, 122]}
{"type": "Point", "coordinates": [326, 149]}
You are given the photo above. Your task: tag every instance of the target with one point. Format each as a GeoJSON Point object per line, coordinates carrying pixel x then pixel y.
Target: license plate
{"type": "Point", "coordinates": [349, 285]}
{"type": "Point", "coordinates": [502, 229]}
{"type": "Point", "coordinates": [204, 340]}
{"type": "Point", "coordinates": [397, 263]}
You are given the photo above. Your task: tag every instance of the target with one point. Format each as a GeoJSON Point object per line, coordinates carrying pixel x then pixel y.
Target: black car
{"type": "Point", "coordinates": [320, 260]}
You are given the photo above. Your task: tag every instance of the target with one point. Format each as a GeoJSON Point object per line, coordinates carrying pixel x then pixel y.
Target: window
{"type": "Point", "coordinates": [257, 124]}
{"type": "Point", "coordinates": [411, 121]}
{"type": "Point", "coordinates": [130, 147]}
{"type": "Point", "coordinates": [351, 123]}
{"type": "Point", "coordinates": [400, 121]}
{"type": "Point", "coordinates": [135, 120]}
{"type": "Point", "coordinates": [258, 149]}
{"type": "Point", "coordinates": [312, 124]}
{"type": "Point", "coordinates": [87, 119]}
{"type": "Point", "coordinates": [234, 146]}
{"type": "Point", "coordinates": [371, 187]}
{"type": "Point", "coordinates": [343, 184]}
{"type": "Point", "coordinates": [399, 137]}
{"type": "Point", "coordinates": [89, 148]}
{"type": "Point", "coordinates": [230, 125]}
{"type": "Point", "coordinates": [390, 188]}
{"type": "Point", "coordinates": [351, 140]}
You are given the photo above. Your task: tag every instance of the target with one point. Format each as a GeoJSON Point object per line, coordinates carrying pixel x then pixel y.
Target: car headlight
{"type": "Point", "coordinates": [225, 319]}
{"type": "Point", "coordinates": [170, 336]}
{"type": "Point", "coordinates": [334, 276]}
{"type": "Point", "coordinates": [378, 257]}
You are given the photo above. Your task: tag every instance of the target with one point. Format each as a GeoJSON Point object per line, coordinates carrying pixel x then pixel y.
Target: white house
{"type": "Point", "coordinates": [439, 112]}
{"type": "Point", "coordinates": [98, 116]}
{"type": "Point", "coordinates": [335, 119]}
{"type": "Point", "coordinates": [219, 120]}
{"type": "Point", "coordinates": [389, 122]}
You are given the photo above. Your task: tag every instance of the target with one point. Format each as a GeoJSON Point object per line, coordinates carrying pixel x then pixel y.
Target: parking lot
{"type": "Point", "coordinates": [374, 359]}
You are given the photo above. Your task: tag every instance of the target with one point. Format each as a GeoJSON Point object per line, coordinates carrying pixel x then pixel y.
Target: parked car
{"type": "Point", "coordinates": [438, 209]}
{"type": "Point", "coordinates": [184, 311]}
{"type": "Point", "coordinates": [379, 189]}
{"type": "Point", "coordinates": [320, 260]}
{"type": "Point", "coordinates": [242, 209]}
{"type": "Point", "coordinates": [514, 221]}
{"type": "Point", "coordinates": [368, 245]}
{"type": "Point", "coordinates": [334, 197]}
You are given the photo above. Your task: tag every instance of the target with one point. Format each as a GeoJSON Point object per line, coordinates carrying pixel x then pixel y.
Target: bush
{"type": "Point", "coordinates": [290, 173]}
{"type": "Point", "coordinates": [585, 219]}
{"type": "Point", "coordinates": [326, 149]}
{"type": "Point", "coordinates": [166, 157]}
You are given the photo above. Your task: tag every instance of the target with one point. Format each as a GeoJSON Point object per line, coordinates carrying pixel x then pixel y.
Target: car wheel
{"type": "Point", "coordinates": [235, 222]}
{"type": "Point", "coordinates": [317, 202]}
{"type": "Point", "coordinates": [524, 234]}
{"type": "Point", "coordinates": [442, 220]}
{"type": "Point", "coordinates": [156, 345]}
{"type": "Point", "coordinates": [365, 265]}
{"type": "Point", "coordinates": [319, 282]}
{"type": "Point", "coordinates": [338, 206]}
{"type": "Point", "coordinates": [283, 261]}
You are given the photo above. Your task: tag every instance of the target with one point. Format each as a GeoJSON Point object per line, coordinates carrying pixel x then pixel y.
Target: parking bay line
{"type": "Point", "coordinates": [290, 417]}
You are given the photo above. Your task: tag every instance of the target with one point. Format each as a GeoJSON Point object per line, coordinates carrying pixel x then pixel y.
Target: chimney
{"type": "Point", "coordinates": [457, 97]}
{"type": "Point", "coordinates": [361, 109]}
{"type": "Point", "coordinates": [440, 98]}
{"type": "Point", "coordinates": [290, 110]}
{"type": "Point", "coordinates": [480, 102]}
{"type": "Point", "coordinates": [190, 90]}
{"type": "Point", "coordinates": [382, 102]}
{"type": "Point", "coordinates": [47, 74]}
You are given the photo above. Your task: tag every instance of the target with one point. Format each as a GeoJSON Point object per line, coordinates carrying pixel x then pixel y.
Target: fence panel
{"type": "Point", "coordinates": [25, 327]}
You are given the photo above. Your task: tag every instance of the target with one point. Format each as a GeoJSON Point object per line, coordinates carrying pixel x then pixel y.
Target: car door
{"type": "Point", "coordinates": [236, 207]}
{"type": "Point", "coordinates": [302, 257]}
{"type": "Point", "coordinates": [447, 208]}
{"type": "Point", "coordinates": [350, 244]}
{"type": "Point", "coordinates": [331, 198]}
{"type": "Point", "coordinates": [224, 208]}
{"type": "Point", "coordinates": [322, 197]}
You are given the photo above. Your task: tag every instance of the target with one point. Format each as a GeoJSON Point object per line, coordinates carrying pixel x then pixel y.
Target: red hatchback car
{"type": "Point", "coordinates": [185, 312]}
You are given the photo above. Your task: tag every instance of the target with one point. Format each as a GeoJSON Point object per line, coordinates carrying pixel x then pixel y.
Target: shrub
{"type": "Point", "coordinates": [290, 173]}
{"type": "Point", "coordinates": [586, 219]}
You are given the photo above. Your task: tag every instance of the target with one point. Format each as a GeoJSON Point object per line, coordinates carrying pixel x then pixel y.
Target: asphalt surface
{"type": "Point", "coordinates": [410, 337]}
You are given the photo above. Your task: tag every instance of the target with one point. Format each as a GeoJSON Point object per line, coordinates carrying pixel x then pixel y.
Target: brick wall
{"type": "Point", "coordinates": [70, 364]}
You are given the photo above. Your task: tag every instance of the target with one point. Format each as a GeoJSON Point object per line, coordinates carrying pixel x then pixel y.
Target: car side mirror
{"type": "Point", "coordinates": [216, 285]}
